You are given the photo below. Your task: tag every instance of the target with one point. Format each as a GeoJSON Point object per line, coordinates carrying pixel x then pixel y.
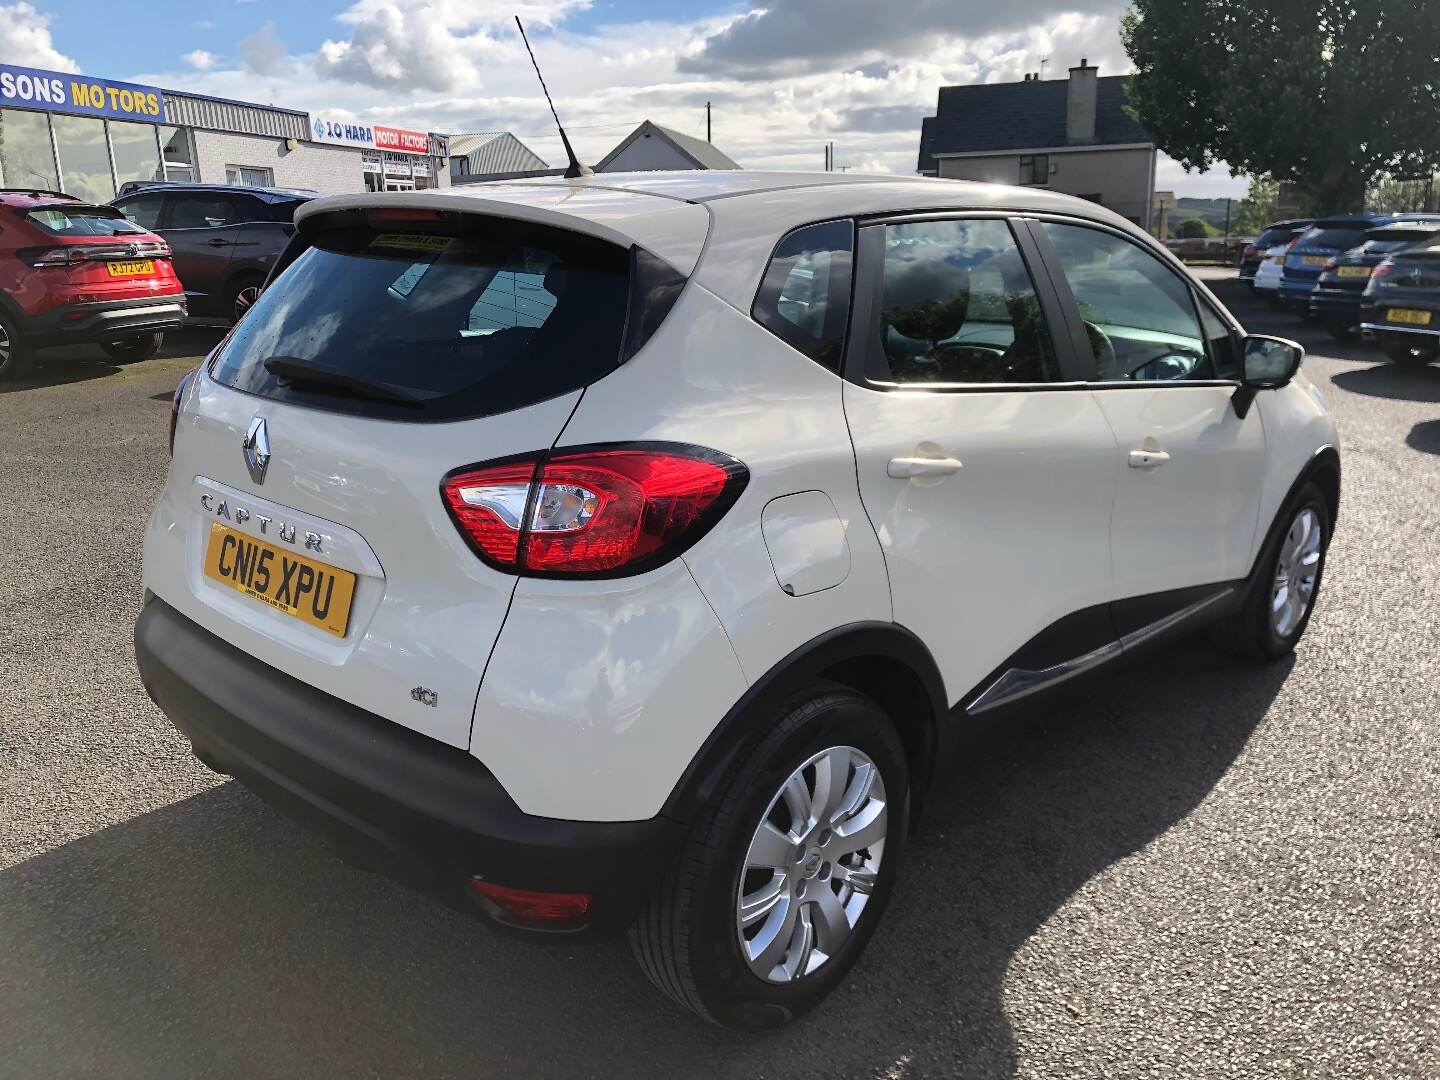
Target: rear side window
{"type": "Point", "coordinates": [429, 322]}
{"type": "Point", "coordinates": [804, 298]}
{"type": "Point", "coordinates": [200, 211]}
{"type": "Point", "coordinates": [144, 210]}
{"type": "Point", "coordinates": [958, 306]}
{"type": "Point", "coordinates": [84, 221]}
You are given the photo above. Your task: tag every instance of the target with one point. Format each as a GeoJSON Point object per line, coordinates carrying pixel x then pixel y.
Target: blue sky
{"type": "Point", "coordinates": [784, 80]}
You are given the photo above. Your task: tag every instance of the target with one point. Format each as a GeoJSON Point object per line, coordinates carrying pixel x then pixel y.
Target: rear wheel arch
{"type": "Point", "coordinates": [885, 662]}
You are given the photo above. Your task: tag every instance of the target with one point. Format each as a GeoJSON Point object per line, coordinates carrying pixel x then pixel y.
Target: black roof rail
{"type": "Point", "coordinates": [37, 192]}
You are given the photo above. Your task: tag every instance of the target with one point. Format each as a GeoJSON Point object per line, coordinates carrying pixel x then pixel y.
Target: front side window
{"type": "Point", "coordinates": [958, 306]}
{"type": "Point", "coordinates": [1035, 169]}
{"type": "Point", "coordinates": [805, 296]}
{"type": "Point", "coordinates": [1139, 315]}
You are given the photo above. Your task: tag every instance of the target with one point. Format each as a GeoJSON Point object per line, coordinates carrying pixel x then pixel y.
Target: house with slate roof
{"type": "Point", "coordinates": [1070, 135]}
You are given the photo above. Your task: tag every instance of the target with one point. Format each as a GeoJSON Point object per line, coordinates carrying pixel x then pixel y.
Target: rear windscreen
{"type": "Point", "coordinates": [412, 321]}
{"type": "Point", "coordinates": [84, 221]}
{"type": "Point", "coordinates": [1274, 237]}
{"type": "Point", "coordinates": [1336, 237]}
{"type": "Point", "coordinates": [1382, 243]}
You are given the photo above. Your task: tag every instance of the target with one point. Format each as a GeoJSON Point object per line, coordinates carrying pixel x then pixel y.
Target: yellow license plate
{"type": "Point", "coordinates": [302, 588]}
{"type": "Point", "coordinates": [1354, 271]}
{"type": "Point", "coordinates": [1408, 315]}
{"type": "Point", "coordinates": [132, 268]}
{"type": "Point", "coordinates": [1314, 260]}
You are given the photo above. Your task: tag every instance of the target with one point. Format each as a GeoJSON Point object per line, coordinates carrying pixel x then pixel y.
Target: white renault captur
{"type": "Point", "coordinates": [629, 551]}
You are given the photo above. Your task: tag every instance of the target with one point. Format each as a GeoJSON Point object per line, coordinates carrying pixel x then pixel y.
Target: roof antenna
{"type": "Point", "coordinates": [575, 170]}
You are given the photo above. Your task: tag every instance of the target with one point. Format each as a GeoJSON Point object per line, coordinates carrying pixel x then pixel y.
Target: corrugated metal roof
{"type": "Point", "coordinates": [1020, 116]}
{"type": "Point", "coordinates": [485, 152]}
{"type": "Point", "coordinates": [190, 111]}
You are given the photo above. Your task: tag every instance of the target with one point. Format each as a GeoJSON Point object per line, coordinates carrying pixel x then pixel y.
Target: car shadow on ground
{"type": "Point", "coordinates": [1392, 381]}
{"type": "Point", "coordinates": [82, 363]}
{"type": "Point", "coordinates": [212, 935]}
{"type": "Point", "coordinates": [1425, 437]}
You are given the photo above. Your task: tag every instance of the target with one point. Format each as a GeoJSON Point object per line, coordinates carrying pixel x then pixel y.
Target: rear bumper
{"type": "Point", "coordinates": [389, 798]}
{"type": "Point", "coordinates": [106, 321]}
{"type": "Point", "coordinates": [1334, 301]}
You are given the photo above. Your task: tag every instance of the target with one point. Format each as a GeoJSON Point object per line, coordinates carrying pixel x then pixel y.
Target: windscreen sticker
{"type": "Point", "coordinates": [412, 242]}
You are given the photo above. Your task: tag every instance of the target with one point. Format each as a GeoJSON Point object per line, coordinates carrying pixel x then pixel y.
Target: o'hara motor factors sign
{"type": "Point", "coordinates": [369, 136]}
{"type": "Point", "coordinates": [55, 91]}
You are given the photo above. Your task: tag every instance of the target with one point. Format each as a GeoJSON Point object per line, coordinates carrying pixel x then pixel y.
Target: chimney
{"type": "Point", "coordinates": [1080, 104]}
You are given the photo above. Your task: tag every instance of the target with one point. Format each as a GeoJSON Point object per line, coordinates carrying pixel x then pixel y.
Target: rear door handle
{"type": "Point", "coordinates": [217, 242]}
{"type": "Point", "coordinates": [1148, 459]}
{"type": "Point", "coordinates": [908, 468]}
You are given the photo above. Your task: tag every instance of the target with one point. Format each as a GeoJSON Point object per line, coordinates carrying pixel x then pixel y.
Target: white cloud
{"type": "Point", "coordinates": [262, 52]}
{"type": "Point", "coordinates": [25, 39]}
{"type": "Point", "coordinates": [431, 44]}
{"type": "Point", "coordinates": [200, 60]}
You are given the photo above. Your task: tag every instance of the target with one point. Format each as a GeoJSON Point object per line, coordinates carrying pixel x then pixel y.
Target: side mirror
{"type": "Point", "coordinates": [1266, 363]}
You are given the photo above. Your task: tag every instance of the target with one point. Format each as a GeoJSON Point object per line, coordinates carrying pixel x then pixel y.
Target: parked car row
{"type": "Point", "coordinates": [121, 275]}
{"type": "Point", "coordinates": [1376, 275]}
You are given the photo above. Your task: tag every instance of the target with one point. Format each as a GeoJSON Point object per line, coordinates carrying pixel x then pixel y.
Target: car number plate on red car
{"type": "Point", "coordinates": [131, 267]}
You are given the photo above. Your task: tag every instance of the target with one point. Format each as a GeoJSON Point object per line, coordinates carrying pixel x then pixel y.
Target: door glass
{"type": "Point", "coordinates": [200, 212]}
{"type": "Point", "coordinates": [1220, 342]}
{"type": "Point", "coordinates": [84, 158]}
{"type": "Point", "coordinates": [1139, 315]}
{"type": "Point", "coordinates": [144, 210]}
{"type": "Point", "coordinates": [137, 154]}
{"type": "Point", "coordinates": [805, 296]}
{"type": "Point", "coordinates": [26, 157]}
{"type": "Point", "coordinates": [958, 307]}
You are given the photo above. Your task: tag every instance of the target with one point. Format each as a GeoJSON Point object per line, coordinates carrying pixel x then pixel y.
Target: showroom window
{"type": "Point", "coordinates": [179, 157]}
{"type": "Point", "coordinates": [84, 158]}
{"type": "Point", "coordinates": [249, 176]}
{"type": "Point", "coordinates": [135, 150]}
{"type": "Point", "coordinates": [26, 155]}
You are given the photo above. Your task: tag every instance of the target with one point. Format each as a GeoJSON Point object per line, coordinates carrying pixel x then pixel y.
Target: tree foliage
{"type": "Point", "coordinates": [1194, 229]}
{"type": "Point", "coordinates": [1259, 207]}
{"type": "Point", "coordinates": [1328, 94]}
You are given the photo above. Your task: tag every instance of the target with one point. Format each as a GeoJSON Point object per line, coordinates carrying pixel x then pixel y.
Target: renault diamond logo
{"type": "Point", "coordinates": [257, 449]}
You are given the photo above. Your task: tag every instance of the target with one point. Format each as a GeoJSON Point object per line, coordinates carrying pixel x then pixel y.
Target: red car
{"type": "Point", "coordinates": [71, 272]}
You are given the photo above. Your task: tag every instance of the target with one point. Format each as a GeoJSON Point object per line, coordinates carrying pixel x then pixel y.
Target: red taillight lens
{"type": "Point", "coordinates": [1328, 267]}
{"type": "Point", "coordinates": [606, 511]}
{"type": "Point", "coordinates": [1384, 269]}
{"type": "Point", "coordinates": [1249, 251]}
{"type": "Point", "coordinates": [531, 905]}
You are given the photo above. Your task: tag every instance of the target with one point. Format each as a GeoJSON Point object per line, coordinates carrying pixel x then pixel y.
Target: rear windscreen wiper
{"type": "Point", "coordinates": [295, 370]}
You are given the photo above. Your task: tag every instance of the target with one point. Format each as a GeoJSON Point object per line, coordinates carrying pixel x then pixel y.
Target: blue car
{"type": "Point", "coordinates": [1319, 244]}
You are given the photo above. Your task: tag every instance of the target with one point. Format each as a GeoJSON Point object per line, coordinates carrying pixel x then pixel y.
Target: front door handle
{"type": "Point", "coordinates": [909, 468]}
{"type": "Point", "coordinates": [217, 242]}
{"type": "Point", "coordinates": [1148, 459]}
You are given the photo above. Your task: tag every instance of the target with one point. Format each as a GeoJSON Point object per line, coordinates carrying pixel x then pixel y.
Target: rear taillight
{"type": "Point", "coordinates": [1384, 269]}
{"type": "Point", "coordinates": [73, 254]}
{"type": "Point", "coordinates": [533, 905]}
{"type": "Point", "coordinates": [1248, 252]}
{"type": "Point", "coordinates": [1328, 267]}
{"type": "Point", "coordinates": [175, 405]}
{"type": "Point", "coordinates": [605, 511]}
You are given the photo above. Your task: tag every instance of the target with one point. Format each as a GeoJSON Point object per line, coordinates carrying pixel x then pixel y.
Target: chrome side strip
{"type": "Point", "coordinates": [1016, 683]}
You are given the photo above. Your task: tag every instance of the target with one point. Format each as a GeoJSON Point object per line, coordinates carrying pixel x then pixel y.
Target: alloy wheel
{"type": "Point", "coordinates": [1296, 572]}
{"type": "Point", "coordinates": [5, 345]}
{"type": "Point", "coordinates": [812, 864]}
{"type": "Point", "coordinates": [245, 299]}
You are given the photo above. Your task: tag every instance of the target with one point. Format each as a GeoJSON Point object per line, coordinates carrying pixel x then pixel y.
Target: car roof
{"type": "Point", "coordinates": [28, 197]}
{"type": "Point", "coordinates": [269, 194]}
{"type": "Point", "coordinates": [671, 213]}
{"type": "Point", "coordinates": [1404, 228]}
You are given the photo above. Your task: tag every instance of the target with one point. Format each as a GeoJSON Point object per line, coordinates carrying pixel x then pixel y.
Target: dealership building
{"type": "Point", "coordinates": [87, 136]}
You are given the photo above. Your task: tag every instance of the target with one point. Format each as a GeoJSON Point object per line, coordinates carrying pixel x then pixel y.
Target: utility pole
{"type": "Point", "coordinates": [1043, 61]}
{"type": "Point", "coordinates": [1225, 244]}
{"type": "Point", "coordinates": [707, 123]}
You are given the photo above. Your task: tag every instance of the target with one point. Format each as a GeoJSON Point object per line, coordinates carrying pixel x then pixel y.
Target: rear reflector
{"type": "Point", "coordinates": [531, 905]}
{"type": "Point", "coordinates": [600, 512]}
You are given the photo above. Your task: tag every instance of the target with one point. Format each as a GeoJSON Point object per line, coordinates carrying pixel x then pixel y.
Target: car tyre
{"type": "Point", "coordinates": [16, 357]}
{"type": "Point", "coordinates": [244, 291]}
{"type": "Point", "coordinates": [1407, 354]}
{"type": "Point", "coordinates": [1282, 594]}
{"type": "Point", "coordinates": [133, 349]}
{"type": "Point", "coordinates": [690, 938]}
{"type": "Point", "coordinates": [1340, 329]}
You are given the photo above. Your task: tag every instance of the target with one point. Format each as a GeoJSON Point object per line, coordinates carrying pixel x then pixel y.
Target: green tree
{"type": "Point", "coordinates": [1328, 94]}
{"type": "Point", "coordinates": [1194, 229]}
{"type": "Point", "coordinates": [1259, 207]}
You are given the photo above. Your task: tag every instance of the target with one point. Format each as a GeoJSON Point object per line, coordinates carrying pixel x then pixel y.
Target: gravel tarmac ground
{"type": "Point", "coordinates": [1195, 868]}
